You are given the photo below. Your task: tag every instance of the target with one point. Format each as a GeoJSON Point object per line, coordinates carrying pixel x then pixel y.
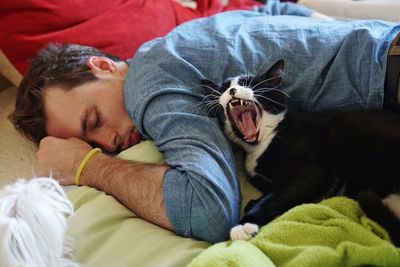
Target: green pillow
{"type": "Point", "coordinates": [105, 233]}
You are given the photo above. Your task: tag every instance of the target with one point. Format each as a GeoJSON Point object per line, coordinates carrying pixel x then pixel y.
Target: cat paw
{"type": "Point", "coordinates": [244, 231]}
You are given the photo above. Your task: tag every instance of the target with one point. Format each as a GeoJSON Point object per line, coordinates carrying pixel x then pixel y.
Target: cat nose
{"type": "Point", "coordinates": [232, 92]}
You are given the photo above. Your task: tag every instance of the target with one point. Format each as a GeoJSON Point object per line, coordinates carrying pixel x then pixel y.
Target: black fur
{"type": "Point", "coordinates": [313, 154]}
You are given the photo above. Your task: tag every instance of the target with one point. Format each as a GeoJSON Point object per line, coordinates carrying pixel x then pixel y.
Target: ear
{"type": "Point", "coordinates": [209, 85]}
{"type": "Point", "coordinates": [102, 67]}
{"type": "Point", "coordinates": [273, 76]}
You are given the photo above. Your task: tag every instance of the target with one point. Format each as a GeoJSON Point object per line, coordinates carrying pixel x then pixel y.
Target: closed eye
{"type": "Point", "coordinates": [98, 120]}
{"type": "Point", "coordinates": [93, 120]}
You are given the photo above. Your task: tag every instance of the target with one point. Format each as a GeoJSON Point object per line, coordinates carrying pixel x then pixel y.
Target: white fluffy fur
{"type": "Point", "coordinates": [33, 224]}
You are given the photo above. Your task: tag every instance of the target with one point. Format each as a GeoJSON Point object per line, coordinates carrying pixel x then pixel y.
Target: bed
{"type": "Point", "coordinates": [357, 9]}
{"type": "Point", "coordinates": [105, 233]}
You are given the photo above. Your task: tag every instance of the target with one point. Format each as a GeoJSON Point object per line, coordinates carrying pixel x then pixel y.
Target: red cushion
{"type": "Point", "coordinates": [118, 26]}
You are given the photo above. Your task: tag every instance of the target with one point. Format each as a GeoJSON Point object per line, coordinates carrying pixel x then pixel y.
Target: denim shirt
{"type": "Point", "coordinates": [328, 65]}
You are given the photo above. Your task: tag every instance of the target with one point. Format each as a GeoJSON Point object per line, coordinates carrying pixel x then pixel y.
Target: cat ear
{"type": "Point", "coordinates": [273, 76]}
{"type": "Point", "coordinates": [209, 85]}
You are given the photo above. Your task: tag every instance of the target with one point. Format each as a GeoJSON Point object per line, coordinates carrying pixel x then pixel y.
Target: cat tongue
{"type": "Point", "coordinates": [249, 128]}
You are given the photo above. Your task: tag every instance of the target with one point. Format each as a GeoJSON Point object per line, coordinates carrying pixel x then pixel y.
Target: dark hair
{"type": "Point", "coordinates": [64, 65]}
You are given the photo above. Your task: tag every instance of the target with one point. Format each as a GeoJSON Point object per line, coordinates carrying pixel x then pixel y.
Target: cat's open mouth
{"type": "Point", "coordinates": [245, 117]}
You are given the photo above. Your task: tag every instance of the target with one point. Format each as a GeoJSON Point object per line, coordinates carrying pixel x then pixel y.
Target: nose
{"type": "Point", "coordinates": [232, 92]}
{"type": "Point", "coordinates": [107, 139]}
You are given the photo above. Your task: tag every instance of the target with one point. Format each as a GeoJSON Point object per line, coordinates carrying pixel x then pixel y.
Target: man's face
{"type": "Point", "coordinates": [94, 112]}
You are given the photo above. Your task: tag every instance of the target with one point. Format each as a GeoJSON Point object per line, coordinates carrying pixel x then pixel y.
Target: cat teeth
{"type": "Point", "coordinates": [242, 102]}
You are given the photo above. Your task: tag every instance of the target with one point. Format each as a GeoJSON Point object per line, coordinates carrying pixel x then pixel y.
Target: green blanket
{"type": "Point", "coordinates": [334, 232]}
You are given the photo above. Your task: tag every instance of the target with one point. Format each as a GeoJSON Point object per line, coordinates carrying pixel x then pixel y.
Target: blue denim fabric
{"type": "Point", "coordinates": [328, 65]}
{"type": "Point", "coordinates": [275, 8]}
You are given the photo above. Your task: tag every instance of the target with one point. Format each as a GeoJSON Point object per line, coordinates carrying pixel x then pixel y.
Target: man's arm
{"type": "Point", "coordinates": [138, 186]}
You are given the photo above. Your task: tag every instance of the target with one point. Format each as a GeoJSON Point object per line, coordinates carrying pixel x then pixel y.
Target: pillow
{"type": "Point", "coordinates": [105, 233]}
{"type": "Point", "coordinates": [118, 27]}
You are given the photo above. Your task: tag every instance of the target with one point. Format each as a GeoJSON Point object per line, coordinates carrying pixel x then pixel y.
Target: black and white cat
{"type": "Point", "coordinates": [301, 157]}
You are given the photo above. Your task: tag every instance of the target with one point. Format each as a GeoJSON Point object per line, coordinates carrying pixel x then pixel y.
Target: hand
{"type": "Point", "coordinates": [60, 158]}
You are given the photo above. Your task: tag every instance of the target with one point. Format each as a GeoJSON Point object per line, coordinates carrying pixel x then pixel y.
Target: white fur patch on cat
{"type": "Point", "coordinates": [269, 122]}
{"type": "Point", "coordinates": [393, 203]}
{"type": "Point", "coordinates": [242, 92]}
{"type": "Point", "coordinates": [244, 232]}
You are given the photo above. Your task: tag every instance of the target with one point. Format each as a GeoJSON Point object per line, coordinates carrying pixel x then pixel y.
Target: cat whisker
{"type": "Point", "coordinates": [204, 102]}
{"type": "Point", "coordinates": [263, 81]}
{"type": "Point", "coordinates": [209, 106]}
{"type": "Point", "coordinates": [271, 100]}
{"type": "Point", "coordinates": [258, 71]}
{"type": "Point", "coordinates": [213, 107]}
{"type": "Point", "coordinates": [247, 75]}
{"type": "Point", "coordinates": [198, 108]}
{"type": "Point", "coordinates": [268, 89]}
{"type": "Point", "coordinates": [212, 89]}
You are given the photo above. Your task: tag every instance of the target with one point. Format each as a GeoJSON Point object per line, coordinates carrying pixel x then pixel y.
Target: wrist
{"type": "Point", "coordinates": [93, 169]}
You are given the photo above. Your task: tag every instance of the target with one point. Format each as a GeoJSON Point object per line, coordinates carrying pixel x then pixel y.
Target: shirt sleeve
{"type": "Point", "coordinates": [164, 97]}
{"type": "Point", "coordinates": [201, 190]}
{"type": "Point", "coordinates": [276, 8]}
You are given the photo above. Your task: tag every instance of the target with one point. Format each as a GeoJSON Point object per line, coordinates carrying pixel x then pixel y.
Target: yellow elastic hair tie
{"type": "Point", "coordinates": [83, 164]}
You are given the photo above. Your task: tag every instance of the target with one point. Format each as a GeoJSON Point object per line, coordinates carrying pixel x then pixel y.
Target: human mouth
{"type": "Point", "coordinates": [134, 138]}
